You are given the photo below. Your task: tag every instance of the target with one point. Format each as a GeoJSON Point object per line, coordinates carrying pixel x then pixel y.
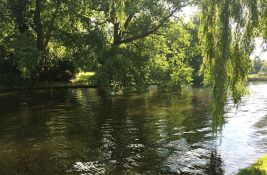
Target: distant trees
{"type": "Point", "coordinates": [257, 64]}
{"type": "Point", "coordinates": [264, 68]}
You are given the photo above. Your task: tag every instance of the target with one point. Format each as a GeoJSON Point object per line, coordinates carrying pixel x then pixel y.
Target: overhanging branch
{"type": "Point", "coordinates": [152, 31]}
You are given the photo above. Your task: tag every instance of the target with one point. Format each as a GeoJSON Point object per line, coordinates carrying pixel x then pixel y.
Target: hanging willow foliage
{"type": "Point", "coordinates": [227, 33]}
{"type": "Point", "coordinates": [263, 18]}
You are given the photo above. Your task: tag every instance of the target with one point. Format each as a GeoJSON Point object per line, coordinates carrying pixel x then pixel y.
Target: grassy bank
{"type": "Point", "coordinates": [257, 77]}
{"type": "Point", "coordinates": [258, 168]}
{"type": "Point", "coordinates": [81, 80]}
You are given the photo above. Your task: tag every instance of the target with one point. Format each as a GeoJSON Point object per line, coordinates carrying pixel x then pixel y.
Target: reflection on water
{"type": "Point", "coordinates": [244, 136]}
{"type": "Point", "coordinates": [82, 131]}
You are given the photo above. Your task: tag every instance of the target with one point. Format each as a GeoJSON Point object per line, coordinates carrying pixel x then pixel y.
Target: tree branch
{"type": "Point", "coordinates": [51, 25]}
{"type": "Point", "coordinates": [128, 20]}
{"type": "Point", "coordinates": [86, 18]}
{"type": "Point", "coordinates": [126, 24]}
{"type": "Point", "coordinates": [152, 31]}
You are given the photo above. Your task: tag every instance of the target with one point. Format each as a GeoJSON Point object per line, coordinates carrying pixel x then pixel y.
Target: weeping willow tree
{"type": "Point", "coordinates": [228, 28]}
{"type": "Point", "coordinates": [263, 18]}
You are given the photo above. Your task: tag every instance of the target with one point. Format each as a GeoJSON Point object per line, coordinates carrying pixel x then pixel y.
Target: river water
{"type": "Point", "coordinates": [84, 132]}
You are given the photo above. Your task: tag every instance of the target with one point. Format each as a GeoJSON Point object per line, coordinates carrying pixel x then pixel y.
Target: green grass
{"type": "Point", "coordinates": [257, 77]}
{"type": "Point", "coordinates": [258, 168]}
{"type": "Point", "coordinates": [83, 78]}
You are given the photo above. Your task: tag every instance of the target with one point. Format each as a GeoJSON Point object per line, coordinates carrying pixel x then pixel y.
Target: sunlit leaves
{"type": "Point", "coordinates": [228, 29]}
{"type": "Point", "coordinates": [263, 18]}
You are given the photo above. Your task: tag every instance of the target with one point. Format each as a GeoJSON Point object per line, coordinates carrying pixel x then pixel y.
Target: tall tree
{"type": "Point", "coordinates": [133, 20]}
{"type": "Point", "coordinates": [44, 34]}
{"type": "Point", "coordinates": [34, 25]}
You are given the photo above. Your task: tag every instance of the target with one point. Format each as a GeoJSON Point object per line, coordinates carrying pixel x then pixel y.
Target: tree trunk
{"type": "Point", "coordinates": [117, 36]}
{"type": "Point", "coordinates": [38, 25]}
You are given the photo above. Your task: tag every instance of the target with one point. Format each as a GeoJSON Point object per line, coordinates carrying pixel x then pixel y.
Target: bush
{"type": "Point", "coordinates": [57, 70]}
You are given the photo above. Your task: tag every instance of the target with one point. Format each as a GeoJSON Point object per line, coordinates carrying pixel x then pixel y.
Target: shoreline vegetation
{"type": "Point", "coordinates": [257, 77]}
{"type": "Point", "coordinates": [81, 80]}
{"type": "Point", "coordinates": [86, 80]}
{"type": "Point", "coordinates": [258, 168]}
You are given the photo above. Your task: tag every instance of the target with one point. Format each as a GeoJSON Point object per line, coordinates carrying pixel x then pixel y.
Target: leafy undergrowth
{"type": "Point", "coordinates": [258, 168]}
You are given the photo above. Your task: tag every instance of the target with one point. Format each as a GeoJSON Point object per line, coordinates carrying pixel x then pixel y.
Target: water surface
{"type": "Point", "coordinates": [83, 131]}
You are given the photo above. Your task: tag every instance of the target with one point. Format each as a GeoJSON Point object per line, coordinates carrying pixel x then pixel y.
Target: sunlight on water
{"type": "Point", "coordinates": [89, 168]}
{"type": "Point", "coordinates": [241, 141]}
{"type": "Point", "coordinates": [84, 132]}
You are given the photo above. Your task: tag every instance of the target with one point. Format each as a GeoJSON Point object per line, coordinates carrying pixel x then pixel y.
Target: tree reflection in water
{"type": "Point", "coordinates": [85, 131]}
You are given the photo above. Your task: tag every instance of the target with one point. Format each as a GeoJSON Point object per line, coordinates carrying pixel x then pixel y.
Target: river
{"type": "Point", "coordinates": [84, 132]}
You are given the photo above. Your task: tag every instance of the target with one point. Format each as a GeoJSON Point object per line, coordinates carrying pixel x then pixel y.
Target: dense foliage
{"type": "Point", "coordinates": [129, 44]}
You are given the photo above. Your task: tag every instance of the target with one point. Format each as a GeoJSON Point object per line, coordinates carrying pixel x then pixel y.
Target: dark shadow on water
{"type": "Point", "coordinates": [75, 131]}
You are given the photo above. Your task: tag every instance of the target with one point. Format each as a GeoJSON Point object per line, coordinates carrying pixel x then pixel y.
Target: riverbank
{"type": "Point", "coordinates": [82, 80]}
{"type": "Point", "coordinates": [258, 168]}
{"type": "Point", "coordinates": [86, 80]}
{"type": "Point", "coordinates": [48, 85]}
{"type": "Point", "coordinates": [257, 77]}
